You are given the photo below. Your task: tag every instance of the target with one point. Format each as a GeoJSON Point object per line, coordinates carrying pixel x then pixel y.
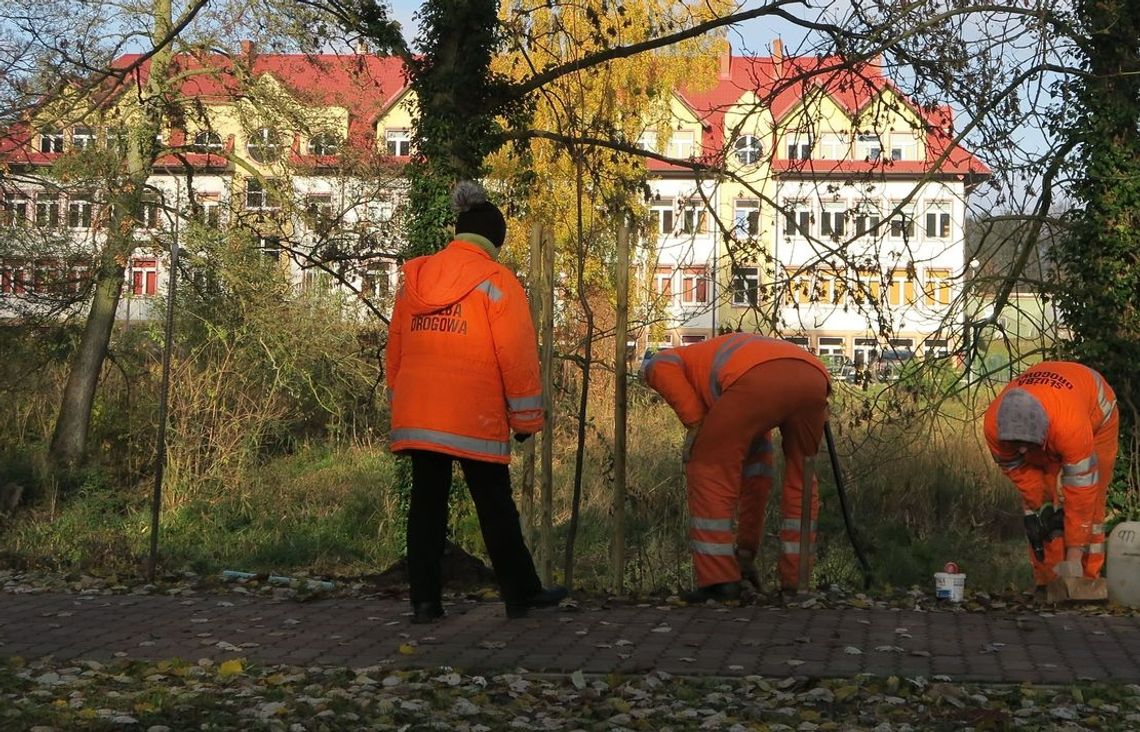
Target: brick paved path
{"type": "Point", "coordinates": [478, 638]}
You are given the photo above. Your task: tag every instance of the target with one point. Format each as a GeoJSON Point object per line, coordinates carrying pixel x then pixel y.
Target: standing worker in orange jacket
{"type": "Point", "coordinates": [1058, 418]}
{"type": "Point", "coordinates": [462, 362]}
{"type": "Point", "coordinates": [730, 392]}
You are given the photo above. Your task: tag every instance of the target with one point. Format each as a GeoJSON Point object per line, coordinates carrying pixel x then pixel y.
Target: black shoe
{"type": "Point", "coordinates": [426, 612]}
{"type": "Point", "coordinates": [546, 597]}
{"type": "Point", "coordinates": [722, 592]}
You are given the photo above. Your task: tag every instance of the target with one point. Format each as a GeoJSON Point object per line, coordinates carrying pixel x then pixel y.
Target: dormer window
{"type": "Point", "coordinates": [681, 145]}
{"type": "Point", "coordinates": [324, 144]}
{"type": "Point", "coordinates": [83, 138]}
{"type": "Point", "coordinates": [868, 147]}
{"type": "Point", "coordinates": [799, 146]}
{"type": "Point", "coordinates": [207, 142]}
{"type": "Point", "coordinates": [747, 149]}
{"type": "Point", "coordinates": [264, 145]}
{"type": "Point", "coordinates": [51, 141]}
{"type": "Point", "coordinates": [399, 143]}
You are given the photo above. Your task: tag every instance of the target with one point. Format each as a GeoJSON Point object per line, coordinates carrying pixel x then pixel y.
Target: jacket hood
{"type": "Point", "coordinates": [442, 279]}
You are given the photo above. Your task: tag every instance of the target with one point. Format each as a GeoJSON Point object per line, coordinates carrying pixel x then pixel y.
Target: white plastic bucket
{"type": "Point", "coordinates": [949, 586]}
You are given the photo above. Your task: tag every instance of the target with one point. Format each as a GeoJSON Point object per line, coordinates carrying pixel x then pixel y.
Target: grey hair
{"type": "Point", "coordinates": [467, 195]}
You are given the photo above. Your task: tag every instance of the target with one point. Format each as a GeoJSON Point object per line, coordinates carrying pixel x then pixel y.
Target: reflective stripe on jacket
{"type": "Point", "coordinates": [462, 357]}
{"type": "Point", "coordinates": [691, 378]}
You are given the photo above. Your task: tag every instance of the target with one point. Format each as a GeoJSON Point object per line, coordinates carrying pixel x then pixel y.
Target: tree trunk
{"type": "Point", "coordinates": [621, 284]}
{"type": "Point", "coordinates": [69, 440]}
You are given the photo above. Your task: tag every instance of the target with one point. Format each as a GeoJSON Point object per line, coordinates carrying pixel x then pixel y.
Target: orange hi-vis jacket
{"type": "Point", "coordinates": [691, 378]}
{"type": "Point", "coordinates": [462, 357]}
{"type": "Point", "coordinates": [1081, 412]}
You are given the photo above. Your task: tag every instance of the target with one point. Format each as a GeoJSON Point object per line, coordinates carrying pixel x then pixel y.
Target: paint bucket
{"type": "Point", "coordinates": [949, 586]}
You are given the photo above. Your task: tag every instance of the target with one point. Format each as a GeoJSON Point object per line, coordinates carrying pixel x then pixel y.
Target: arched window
{"type": "Point", "coordinates": [748, 149]}
{"type": "Point", "coordinates": [264, 145]}
{"type": "Point", "coordinates": [206, 141]}
{"type": "Point", "coordinates": [324, 143]}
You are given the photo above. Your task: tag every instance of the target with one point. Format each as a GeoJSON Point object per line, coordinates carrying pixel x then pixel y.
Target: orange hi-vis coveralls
{"type": "Point", "coordinates": [1079, 443]}
{"type": "Point", "coordinates": [462, 357]}
{"type": "Point", "coordinates": [738, 387]}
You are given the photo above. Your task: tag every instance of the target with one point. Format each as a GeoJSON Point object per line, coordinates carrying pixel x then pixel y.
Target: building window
{"type": "Point", "coordinates": [269, 247]}
{"type": "Point", "coordinates": [799, 288]}
{"type": "Point", "coordinates": [937, 223]}
{"type": "Point", "coordinates": [869, 287]}
{"type": "Point", "coordinates": [648, 141]}
{"type": "Point", "coordinates": [904, 146]}
{"type": "Point", "coordinates": [746, 218]}
{"type": "Point", "coordinates": [694, 286]}
{"type": "Point", "coordinates": [935, 348]}
{"type": "Point", "coordinates": [47, 211]}
{"type": "Point", "coordinates": [15, 211]}
{"type": "Point", "coordinates": [693, 217]}
{"type": "Point", "coordinates": [663, 283]}
{"type": "Point", "coordinates": [799, 146]}
{"type": "Point", "coordinates": [902, 225]}
{"type": "Point", "coordinates": [900, 290]}
{"type": "Point", "coordinates": [264, 145]}
{"type": "Point", "coordinates": [834, 146]}
{"type": "Point", "coordinates": [681, 144]}
{"type": "Point", "coordinates": [79, 214]}
{"type": "Point", "coordinates": [832, 346]}
{"type": "Point", "coordinates": [747, 149]}
{"type": "Point", "coordinates": [937, 289]}
{"type": "Point", "coordinates": [258, 195]}
{"type": "Point", "coordinates": [208, 210]}
{"type": "Point", "coordinates": [319, 210]}
{"type": "Point", "coordinates": [399, 143]}
{"type": "Point", "coordinates": [868, 147]}
{"type": "Point", "coordinates": [745, 285]}
{"type": "Point", "coordinates": [833, 223]}
{"type": "Point", "coordinates": [51, 141]}
{"type": "Point", "coordinates": [867, 224]}
{"type": "Point", "coordinates": [82, 138]}
{"type": "Point", "coordinates": [376, 283]}
{"type": "Point", "coordinates": [207, 142]}
{"type": "Point", "coordinates": [144, 277]}
{"type": "Point", "coordinates": [315, 280]}
{"type": "Point", "coordinates": [801, 341]}
{"type": "Point", "coordinates": [325, 144]}
{"type": "Point", "coordinates": [150, 215]}
{"type": "Point", "coordinates": [866, 350]}
{"type": "Point", "coordinates": [662, 213]}
{"type": "Point", "coordinates": [797, 221]}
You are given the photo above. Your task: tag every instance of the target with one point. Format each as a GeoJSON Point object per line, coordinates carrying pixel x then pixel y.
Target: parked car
{"type": "Point", "coordinates": [841, 367]}
{"type": "Point", "coordinates": [891, 362]}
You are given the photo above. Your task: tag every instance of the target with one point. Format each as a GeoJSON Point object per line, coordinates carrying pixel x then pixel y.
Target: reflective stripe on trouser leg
{"type": "Point", "coordinates": [755, 488]}
{"type": "Point", "coordinates": [710, 523]}
{"type": "Point", "coordinates": [1105, 444]}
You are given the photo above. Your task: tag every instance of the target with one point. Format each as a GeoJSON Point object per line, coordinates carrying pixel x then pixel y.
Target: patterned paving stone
{"type": "Point", "coordinates": [478, 638]}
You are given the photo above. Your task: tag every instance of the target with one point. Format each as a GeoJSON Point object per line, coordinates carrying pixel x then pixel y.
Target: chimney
{"type": "Point", "coordinates": [778, 57]}
{"type": "Point", "coordinates": [247, 49]}
{"type": "Point", "coordinates": [726, 62]}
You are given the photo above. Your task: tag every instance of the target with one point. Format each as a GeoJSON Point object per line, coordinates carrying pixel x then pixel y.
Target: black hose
{"type": "Point", "coordinates": [839, 487]}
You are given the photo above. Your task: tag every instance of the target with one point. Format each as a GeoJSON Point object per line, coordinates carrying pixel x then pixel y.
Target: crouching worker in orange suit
{"type": "Point", "coordinates": [730, 392]}
{"type": "Point", "coordinates": [1058, 418]}
{"type": "Point", "coordinates": [462, 362]}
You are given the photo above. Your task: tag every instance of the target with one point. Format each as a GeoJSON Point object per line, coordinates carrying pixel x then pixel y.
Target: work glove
{"type": "Point", "coordinates": [522, 436]}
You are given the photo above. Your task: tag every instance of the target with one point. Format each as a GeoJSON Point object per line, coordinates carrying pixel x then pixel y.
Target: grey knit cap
{"type": "Point", "coordinates": [1021, 418]}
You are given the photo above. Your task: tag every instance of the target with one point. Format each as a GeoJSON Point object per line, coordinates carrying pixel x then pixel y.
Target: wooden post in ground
{"type": "Point", "coordinates": [621, 283]}
{"type": "Point", "coordinates": [804, 581]}
{"type": "Point", "coordinates": [546, 530]}
{"type": "Point", "coordinates": [534, 278]}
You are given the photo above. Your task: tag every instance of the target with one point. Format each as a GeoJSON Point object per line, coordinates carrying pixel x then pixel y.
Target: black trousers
{"type": "Point", "coordinates": [490, 486]}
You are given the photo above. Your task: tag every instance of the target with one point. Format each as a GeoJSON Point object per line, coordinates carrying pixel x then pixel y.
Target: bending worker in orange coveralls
{"type": "Point", "coordinates": [1058, 418]}
{"type": "Point", "coordinates": [730, 392]}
